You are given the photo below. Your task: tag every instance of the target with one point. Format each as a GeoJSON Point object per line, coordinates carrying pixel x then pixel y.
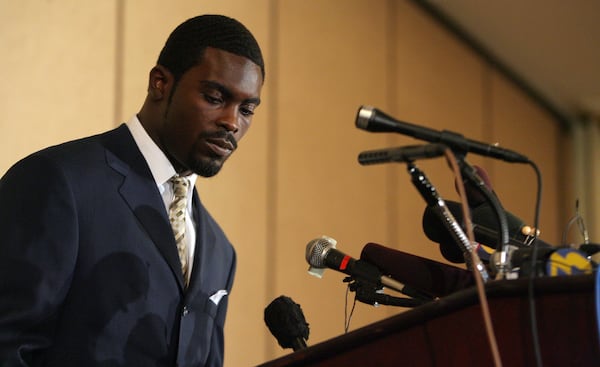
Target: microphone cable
{"type": "Point", "coordinates": [348, 317]}
{"type": "Point", "coordinates": [532, 276]}
{"type": "Point", "coordinates": [598, 300]}
{"type": "Point", "coordinates": [485, 310]}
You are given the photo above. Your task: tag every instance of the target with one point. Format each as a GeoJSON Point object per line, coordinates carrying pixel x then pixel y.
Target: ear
{"type": "Point", "coordinates": [159, 82]}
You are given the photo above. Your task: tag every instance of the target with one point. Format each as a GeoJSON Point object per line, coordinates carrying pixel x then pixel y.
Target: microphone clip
{"type": "Point", "coordinates": [372, 294]}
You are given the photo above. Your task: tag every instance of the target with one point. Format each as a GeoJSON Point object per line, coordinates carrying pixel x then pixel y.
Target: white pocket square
{"type": "Point", "coordinates": [216, 298]}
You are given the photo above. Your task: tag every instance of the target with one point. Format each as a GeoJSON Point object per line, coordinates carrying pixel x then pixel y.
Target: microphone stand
{"type": "Point", "coordinates": [435, 201]}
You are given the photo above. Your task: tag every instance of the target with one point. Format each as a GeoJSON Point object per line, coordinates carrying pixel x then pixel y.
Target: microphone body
{"type": "Point", "coordinates": [425, 275]}
{"type": "Point", "coordinates": [407, 153]}
{"type": "Point", "coordinates": [372, 119]}
{"type": "Point", "coordinates": [551, 262]}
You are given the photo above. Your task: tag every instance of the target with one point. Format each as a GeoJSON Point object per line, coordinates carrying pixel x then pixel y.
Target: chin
{"type": "Point", "coordinates": [207, 168]}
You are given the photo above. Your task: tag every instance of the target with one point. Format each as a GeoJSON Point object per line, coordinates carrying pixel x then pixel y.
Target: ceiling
{"type": "Point", "coordinates": [553, 46]}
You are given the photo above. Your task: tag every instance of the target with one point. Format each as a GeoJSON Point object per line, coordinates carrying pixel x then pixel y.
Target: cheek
{"type": "Point", "coordinates": [188, 111]}
{"type": "Point", "coordinates": [187, 124]}
{"type": "Point", "coordinates": [179, 137]}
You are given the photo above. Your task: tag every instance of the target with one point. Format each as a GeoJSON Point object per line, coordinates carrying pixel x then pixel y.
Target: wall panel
{"type": "Point", "coordinates": [528, 129]}
{"type": "Point", "coordinates": [58, 71]}
{"type": "Point", "coordinates": [331, 60]}
{"type": "Point", "coordinates": [438, 85]}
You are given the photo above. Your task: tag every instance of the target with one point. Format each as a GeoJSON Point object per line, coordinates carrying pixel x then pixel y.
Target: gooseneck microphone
{"type": "Point", "coordinates": [435, 201]}
{"type": "Point", "coordinates": [285, 320]}
{"type": "Point", "coordinates": [371, 119]}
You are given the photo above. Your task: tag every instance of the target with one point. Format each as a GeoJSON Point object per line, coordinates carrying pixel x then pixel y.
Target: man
{"type": "Point", "coordinates": [103, 260]}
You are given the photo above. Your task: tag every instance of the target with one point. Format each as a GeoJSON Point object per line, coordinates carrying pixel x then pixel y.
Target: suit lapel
{"type": "Point", "coordinates": [141, 194]}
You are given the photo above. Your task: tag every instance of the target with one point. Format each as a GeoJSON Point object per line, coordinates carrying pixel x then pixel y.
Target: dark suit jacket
{"type": "Point", "coordinates": [89, 271]}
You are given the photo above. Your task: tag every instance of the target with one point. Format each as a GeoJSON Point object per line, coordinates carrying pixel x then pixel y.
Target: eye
{"type": "Point", "coordinates": [247, 110]}
{"type": "Point", "coordinates": [212, 99]}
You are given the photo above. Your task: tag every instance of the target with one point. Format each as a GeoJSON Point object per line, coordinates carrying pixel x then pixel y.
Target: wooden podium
{"type": "Point", "coordinates": [451, 332]}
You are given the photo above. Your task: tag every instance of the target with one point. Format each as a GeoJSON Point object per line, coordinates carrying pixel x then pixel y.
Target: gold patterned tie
{"type": "Point", "coordinates": [177, 214]}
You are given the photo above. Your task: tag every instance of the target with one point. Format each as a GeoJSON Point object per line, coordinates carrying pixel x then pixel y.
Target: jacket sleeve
{"type": "Point", "coordinates": [38, 251]}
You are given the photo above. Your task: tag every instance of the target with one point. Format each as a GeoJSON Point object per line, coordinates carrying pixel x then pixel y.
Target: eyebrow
{"type": "Point", "coordinates": [226, 92]}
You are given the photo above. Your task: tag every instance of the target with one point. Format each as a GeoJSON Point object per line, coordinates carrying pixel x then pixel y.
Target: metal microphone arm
{"type": "Point", "coordinates": [435, 201]}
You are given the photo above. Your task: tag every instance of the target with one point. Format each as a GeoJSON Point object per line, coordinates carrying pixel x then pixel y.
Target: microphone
{"type": "Point", "coordinates": [485, 229]}
{"type": "Point", "coordinates": [407, 153]}
{"type": "Point", "coordinates": [321, 253]}
{"type": "Point", "coordinates": [285, 320]}
{"type": "Point", "coordinates": [371, 119]}
{"type": "Point", "coordinates": [551, 262]}
{"type": "Point", "coordinates": [425, 275]}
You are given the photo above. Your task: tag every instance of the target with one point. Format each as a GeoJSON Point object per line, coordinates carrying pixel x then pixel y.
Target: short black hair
{"type": "Point", "coordinates": [186, 44]}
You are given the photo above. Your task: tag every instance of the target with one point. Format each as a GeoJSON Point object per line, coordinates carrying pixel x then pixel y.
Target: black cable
{"type": "Point", "coordinates": [530, 294]}
{"type": "Point", "coordinates": [347, 317]}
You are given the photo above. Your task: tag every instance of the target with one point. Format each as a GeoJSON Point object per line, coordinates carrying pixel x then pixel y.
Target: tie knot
{"type": "Point", "coordinates": [180, 185]}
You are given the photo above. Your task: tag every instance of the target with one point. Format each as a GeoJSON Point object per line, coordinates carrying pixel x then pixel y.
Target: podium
{"type": "Point", "coordinates": [451, 331]}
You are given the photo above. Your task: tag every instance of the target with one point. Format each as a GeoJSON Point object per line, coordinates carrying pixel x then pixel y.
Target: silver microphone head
{"type": "Point", "coordinates": [317, 249]}
{"type": "Point", "coordinates": [364, 115]}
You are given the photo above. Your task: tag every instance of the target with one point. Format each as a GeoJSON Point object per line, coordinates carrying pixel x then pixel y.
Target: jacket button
{"type": "Point", "coordinates": [184, 311]}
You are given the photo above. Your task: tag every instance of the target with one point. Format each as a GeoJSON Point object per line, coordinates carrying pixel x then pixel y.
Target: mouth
{"type": "Point", "coordinates": [222, 147]}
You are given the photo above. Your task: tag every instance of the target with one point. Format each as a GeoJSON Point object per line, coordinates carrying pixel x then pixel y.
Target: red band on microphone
{"type": "Point", "coordinates": [344, 263]}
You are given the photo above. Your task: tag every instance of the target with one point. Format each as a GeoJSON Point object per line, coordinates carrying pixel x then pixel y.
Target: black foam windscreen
{"type": "Point", "coordinates": [285, 320]}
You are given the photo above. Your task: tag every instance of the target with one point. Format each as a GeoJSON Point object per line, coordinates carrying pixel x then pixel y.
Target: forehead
{"type": "Point", "coordinates": [237, 73]}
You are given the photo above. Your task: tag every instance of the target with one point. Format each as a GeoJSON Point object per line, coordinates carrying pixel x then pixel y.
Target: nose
{"type": "Point", "coordinates": [229, 119]}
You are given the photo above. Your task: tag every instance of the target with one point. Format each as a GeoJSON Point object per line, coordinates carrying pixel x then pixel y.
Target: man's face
{"type": "Point", "coordinates": [209, 111]}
